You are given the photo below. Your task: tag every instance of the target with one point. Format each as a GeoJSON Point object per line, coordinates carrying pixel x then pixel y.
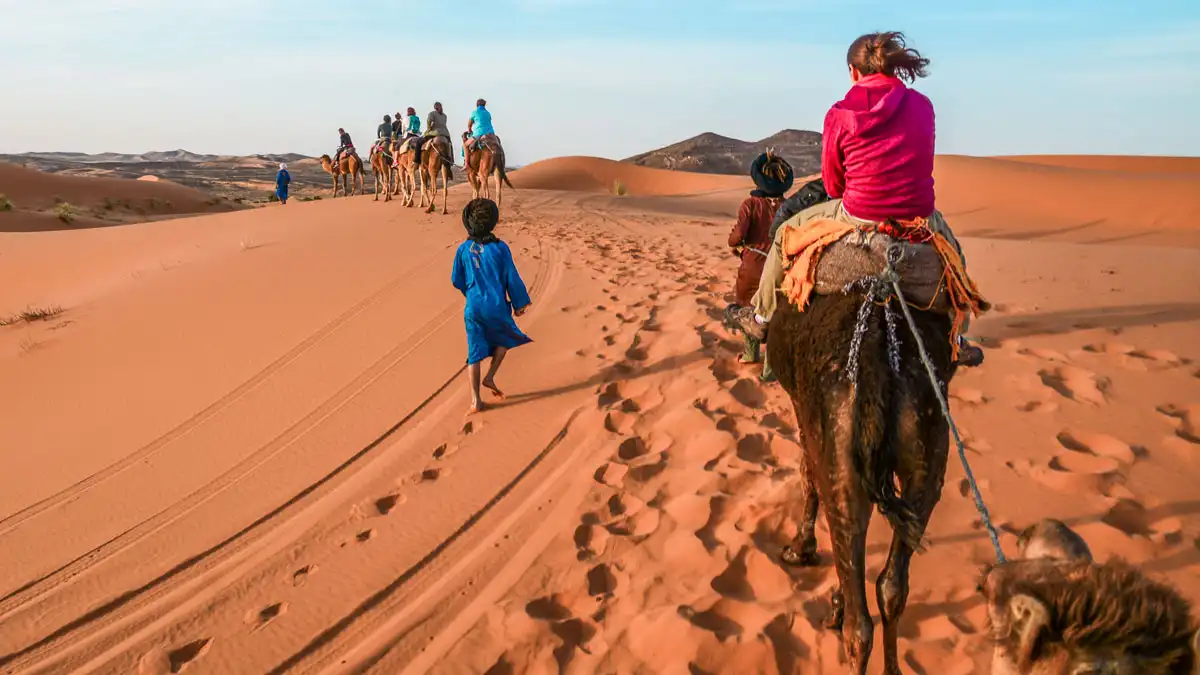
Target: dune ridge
{"type": "Point", "coordinates": [240, 446]}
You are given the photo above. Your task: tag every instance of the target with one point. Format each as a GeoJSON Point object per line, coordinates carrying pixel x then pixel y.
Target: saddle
{"type": "Point", "coordinates": [827, 256]}
{"type": "Point", "coordinates": [413, 142]}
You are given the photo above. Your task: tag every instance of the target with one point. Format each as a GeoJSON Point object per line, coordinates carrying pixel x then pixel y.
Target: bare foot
{"type": "Point", "coordinates": [475, 408]}
{"type": "Point", "coordinates": [491, 386]}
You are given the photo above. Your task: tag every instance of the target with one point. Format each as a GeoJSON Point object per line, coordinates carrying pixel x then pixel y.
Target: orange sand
{"type": "Point", "coordinates": [35, 196]}
{"type": "Point", "coordinates": [240, 448]}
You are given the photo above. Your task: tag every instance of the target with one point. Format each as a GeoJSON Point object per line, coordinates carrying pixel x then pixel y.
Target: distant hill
{"type": "Point", "coordinates": [713, 153]}
{"type": "Point", "coordinates": [145, 157]}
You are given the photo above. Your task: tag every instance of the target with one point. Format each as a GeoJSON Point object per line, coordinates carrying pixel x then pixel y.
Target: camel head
{"type": "Point", "coordinates": [1050, 538]}
{"type": "Point", "coordinates": [1053, 617]}
{"type": "Point", "coordinates": [326, 159]}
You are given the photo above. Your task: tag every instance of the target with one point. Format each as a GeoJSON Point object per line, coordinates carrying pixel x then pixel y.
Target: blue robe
{"type": "Point", "coordinates": [488, 278]}
{"type": "Point", "coordinates": [281, 184]}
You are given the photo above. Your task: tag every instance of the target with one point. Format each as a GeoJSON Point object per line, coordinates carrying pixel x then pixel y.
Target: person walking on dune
{"type": "Point", "coordinates": [282, 180]}
{"type": "Point", "coordinates": [750, 238]}
{"type": "Point", "coordinates": [484, 272]}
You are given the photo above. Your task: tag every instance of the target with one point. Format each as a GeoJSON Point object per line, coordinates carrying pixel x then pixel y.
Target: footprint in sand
{"type": "Point", "coordinates": [181, 658]}
{"type": "Point", "coordinates": [601, 582]}
{"type": "Point", "coordinates": [300, 576]}
{"type": "Point", "coordinates": [969, 397]}
{"type": "Point", "coordinates": [1189, 420]}
{"type": "Point", "coordinates": [612, 474]}
{"type": "Point", "coordinates": [385, 504]}
{"type": "Point", "coordinates": [1133, 519]}
{"type": "Point", "coordinates": [365, 536]}
{"type": "Point", "coordinates": [261, 617]}
{"type": "Point", "coordinates": [748, 393]}
{"type": "Point", "coordinates": [159, 661]}
{"type": "Point", "coordinates": [1044, 354]}
{"type": "Point", "coordinates": [632, 448]}
{"type": "Point", "coordinates": [1077, 384]}
{"type": "Point", "coordinates": [1038, 406]}
{"type": "Point", "coordinates": [1135, 358]}
{"type": "Point", "coordinates": [591, 539]}
{"type": "Point", "coordinates": [1076, 472]}
{"type": "Point", "coordinates": [1101, 445]}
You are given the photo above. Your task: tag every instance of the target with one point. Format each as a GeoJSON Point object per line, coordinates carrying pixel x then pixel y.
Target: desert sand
{"type": "Point", "coordinates": [235, 443]}
{"type": "Point", "coordinates": [32, 201]}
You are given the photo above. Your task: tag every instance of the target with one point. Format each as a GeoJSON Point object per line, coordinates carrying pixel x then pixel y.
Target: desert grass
{"type": "Point", "coordinates": [31, 314]}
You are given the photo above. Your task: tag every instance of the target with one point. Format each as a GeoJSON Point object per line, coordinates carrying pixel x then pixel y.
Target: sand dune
{"type": "Point", "coordinates": [93, 201]}
{"type": "Point", "coordinates": [1117, 163]}
{"type": "Point", "coordinates": [593, 174]}
{"type": "Point", "coordinates": [240, 448]}
{"type": "Point", "coordinates": [1027, 200]}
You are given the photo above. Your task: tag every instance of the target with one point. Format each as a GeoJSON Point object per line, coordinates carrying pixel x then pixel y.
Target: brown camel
{"type": "Point", "coordinates": [350, 168]}
{"type": "Point", "coordinates": [381, 166]}
{"type": "Point", "coordinates": [482, 163]}
{"type": "Point", "coordinates": [859, 439]}
{"type": "Point", "coordinates": [437, 161]}
{"type": "Point", "coordinates": [408, 176]}
{"type": "Point", "coordinates": [1056, 617]}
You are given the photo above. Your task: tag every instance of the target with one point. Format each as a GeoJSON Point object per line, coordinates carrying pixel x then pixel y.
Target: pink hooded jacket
{"type": "Point", "coordinates": [877, 150]}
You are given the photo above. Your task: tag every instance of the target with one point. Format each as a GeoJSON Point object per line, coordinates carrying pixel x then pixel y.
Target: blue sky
{"type": "Point", "coordinates": [585, 77]}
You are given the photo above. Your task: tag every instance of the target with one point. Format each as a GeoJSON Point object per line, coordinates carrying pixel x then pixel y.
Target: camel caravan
{"type": "Point", "coordinates": [865, 340]}
{"type": "Point", "coordinates": [405, 161]}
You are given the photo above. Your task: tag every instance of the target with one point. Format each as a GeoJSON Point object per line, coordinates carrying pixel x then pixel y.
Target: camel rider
{"type": "Point", "coordinates": [478, 126]}
{"type": "Point", "coordinates": [413, 125]}
{"type": "Point", "coordinates": [398, 126]}
{"type": "Point", "coordinates": [435, 122]}
{"type": "Point", "coordinates": [345, 144]}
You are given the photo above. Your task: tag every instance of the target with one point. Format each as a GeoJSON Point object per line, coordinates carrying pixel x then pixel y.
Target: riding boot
{"type": "Point", "coordinates": [751, 350]}
{"type": "Point", "coordinates": [768, 375]}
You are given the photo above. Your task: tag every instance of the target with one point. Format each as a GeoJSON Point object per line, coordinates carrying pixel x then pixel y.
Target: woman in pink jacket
{"type": "Point", "coordinates": [876, 161]}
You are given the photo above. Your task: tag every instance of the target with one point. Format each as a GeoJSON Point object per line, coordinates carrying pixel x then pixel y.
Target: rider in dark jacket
{"type": "Point", "coordinates": [344, 144]}
{"type": "Point", "coordinates": [385, 130]}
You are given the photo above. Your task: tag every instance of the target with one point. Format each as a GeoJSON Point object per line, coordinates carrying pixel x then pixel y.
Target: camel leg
{"type": "Point", "coordinates": [499, 187]}
{"type": "Point", "coordinates": [921, 446]}
{"type": "Point", "coordinates": [445, 189]}
{"type": "Point", "coordinates": [335, 183]}
{"type": "Point", "coordinates": [802, 552]}
{"type": "Point", "coordinates": [847, 514]}
{"type": "Point", "coordinates": [433, 191]}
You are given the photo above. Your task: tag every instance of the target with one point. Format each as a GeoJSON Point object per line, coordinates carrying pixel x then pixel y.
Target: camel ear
{"type": "Point", "coordinates": [1029, 618]}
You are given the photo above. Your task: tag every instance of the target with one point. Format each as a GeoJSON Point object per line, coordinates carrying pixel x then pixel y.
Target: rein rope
{"type": "Point", "coordinates": [877, 289]}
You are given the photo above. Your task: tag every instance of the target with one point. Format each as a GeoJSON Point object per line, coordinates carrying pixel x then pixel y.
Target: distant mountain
{"type": "Point", "coordinates": [713, 153]}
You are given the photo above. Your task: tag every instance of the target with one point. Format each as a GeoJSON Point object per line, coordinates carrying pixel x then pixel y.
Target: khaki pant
{"type": "Point", "coordinates": [766, 298]}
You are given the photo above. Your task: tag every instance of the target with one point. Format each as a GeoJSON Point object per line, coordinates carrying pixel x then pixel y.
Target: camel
{"type": "Point", "coordinates": [1067, 617]}
{"type": "Point", "coordinates": [437, 161]}
{"type": "Point", "coordinates": [350, 168]}
{"type": "Point", "coordinates": [408, 176]}
{"type": "Point", "coordinates": [858, 440]}
{"type": "Point", "coordinates": [482, 164]}
{"type": "Point", "coordinates": [381, 165]}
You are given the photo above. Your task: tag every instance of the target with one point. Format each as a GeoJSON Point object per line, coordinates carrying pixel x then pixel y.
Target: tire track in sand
{"type": "Point", "coordinates": [239, 547]}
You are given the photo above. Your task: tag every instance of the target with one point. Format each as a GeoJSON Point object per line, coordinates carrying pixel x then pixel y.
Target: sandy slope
{"type": "Point", "coordinates": [241, 449]}
{"type": "Point", "coordinates": [94, 201]}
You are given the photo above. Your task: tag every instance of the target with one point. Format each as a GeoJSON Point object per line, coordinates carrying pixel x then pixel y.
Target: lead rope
{"type": "Point", "coordinates": [894, 254]}
{"type": "Point", "coordinates": [874, 287]}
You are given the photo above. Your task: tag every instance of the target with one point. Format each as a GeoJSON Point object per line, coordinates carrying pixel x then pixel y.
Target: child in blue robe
{"type": "Point", "coordinates": [486, 275]}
